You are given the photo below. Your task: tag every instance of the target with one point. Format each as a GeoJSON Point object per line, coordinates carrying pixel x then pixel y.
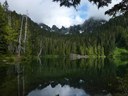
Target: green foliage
{"type": "Point", "coordinates": [120, 52]}
{"type": "Point", "coordinates": [121, 7]}
{"type": "Point", "coordinates": [3, 44]}
{"type": "Point", "coordinates": [100, 42]}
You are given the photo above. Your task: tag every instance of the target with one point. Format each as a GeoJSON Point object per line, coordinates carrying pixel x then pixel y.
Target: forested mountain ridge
{"type": "Point", "coordinates": [14, 27]}
{"type": "Point", "coordinates": [20, 32]}
{"type": "Point", "coordinates": [88, 26]}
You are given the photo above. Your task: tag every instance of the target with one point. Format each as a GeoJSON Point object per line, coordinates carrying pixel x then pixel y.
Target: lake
{"type": "Point", "coordinates": [64, 77]}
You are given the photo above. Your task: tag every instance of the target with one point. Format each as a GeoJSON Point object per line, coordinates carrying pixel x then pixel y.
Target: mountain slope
{"type": "Point", "coordinates": [88, 26]}
{"type": "Point", "coordinates": [97, 38]}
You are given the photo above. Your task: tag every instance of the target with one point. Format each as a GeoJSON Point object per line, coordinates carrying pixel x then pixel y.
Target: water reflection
{"type": "Point", "coordinates": [58, 90]}
{"type": "Point", "coordinates": [95, 76]}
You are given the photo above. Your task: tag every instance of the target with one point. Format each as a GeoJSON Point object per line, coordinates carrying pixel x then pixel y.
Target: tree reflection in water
{"type": "Point", "coordinates": [95, 76]}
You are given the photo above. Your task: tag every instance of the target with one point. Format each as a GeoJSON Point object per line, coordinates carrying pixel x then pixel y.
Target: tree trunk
{"type": "Point", "coordinates": [9, 19]}
{"type": "Point", "coordinates": [20, 37]}
{"type": "Point", "coordinates": [41, 48]}
{"type": "Point", "coordinates": [25, 34]}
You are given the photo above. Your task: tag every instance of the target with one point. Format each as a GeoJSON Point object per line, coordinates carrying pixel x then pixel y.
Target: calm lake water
{"type": "Point", "coordinates": [64, 77]}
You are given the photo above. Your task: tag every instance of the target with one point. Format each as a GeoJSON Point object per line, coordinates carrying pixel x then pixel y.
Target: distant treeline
{"type": "Point", "coordinates": [102, 41]}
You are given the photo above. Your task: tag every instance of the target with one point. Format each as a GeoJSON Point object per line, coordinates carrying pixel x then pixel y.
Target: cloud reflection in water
{"type": "Point", "coordinates": [58, 90]}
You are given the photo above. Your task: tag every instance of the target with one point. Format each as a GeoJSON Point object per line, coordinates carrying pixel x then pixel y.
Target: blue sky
{"type": "Point", "coordinates": [82, 11]}
{"type": "Point", "coordinates": [50, 13]}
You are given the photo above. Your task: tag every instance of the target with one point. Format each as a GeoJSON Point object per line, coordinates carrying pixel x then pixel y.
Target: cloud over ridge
{"type": "Point", "coordinates": [50, 13]}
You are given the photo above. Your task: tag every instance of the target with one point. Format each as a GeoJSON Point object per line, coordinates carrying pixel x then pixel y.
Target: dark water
{"type": "Point", "coordinates": [64, 77]}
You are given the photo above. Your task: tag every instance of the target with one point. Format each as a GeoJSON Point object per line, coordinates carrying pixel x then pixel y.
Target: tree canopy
{"type": "Point", "coordinates": [121, 7]}
{"type": "Point", "coordinates": [92, 38]}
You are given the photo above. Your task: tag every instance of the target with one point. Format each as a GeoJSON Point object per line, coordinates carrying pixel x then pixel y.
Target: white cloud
{"type": "Point", "coordinates": [66, 90]}
{"type": "Point", "coordinates": [93, 11]}
{"type": "Point", "coordinates": [46, 11]}
{"type": "Point", "coordinates": [50, 13]}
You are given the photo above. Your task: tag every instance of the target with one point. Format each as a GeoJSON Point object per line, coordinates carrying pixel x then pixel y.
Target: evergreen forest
{"type": "Point", "coordinates": [19, 35]}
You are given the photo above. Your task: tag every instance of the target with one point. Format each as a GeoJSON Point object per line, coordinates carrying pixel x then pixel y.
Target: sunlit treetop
{"type": "Point", "coordinates": [121, 7]}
